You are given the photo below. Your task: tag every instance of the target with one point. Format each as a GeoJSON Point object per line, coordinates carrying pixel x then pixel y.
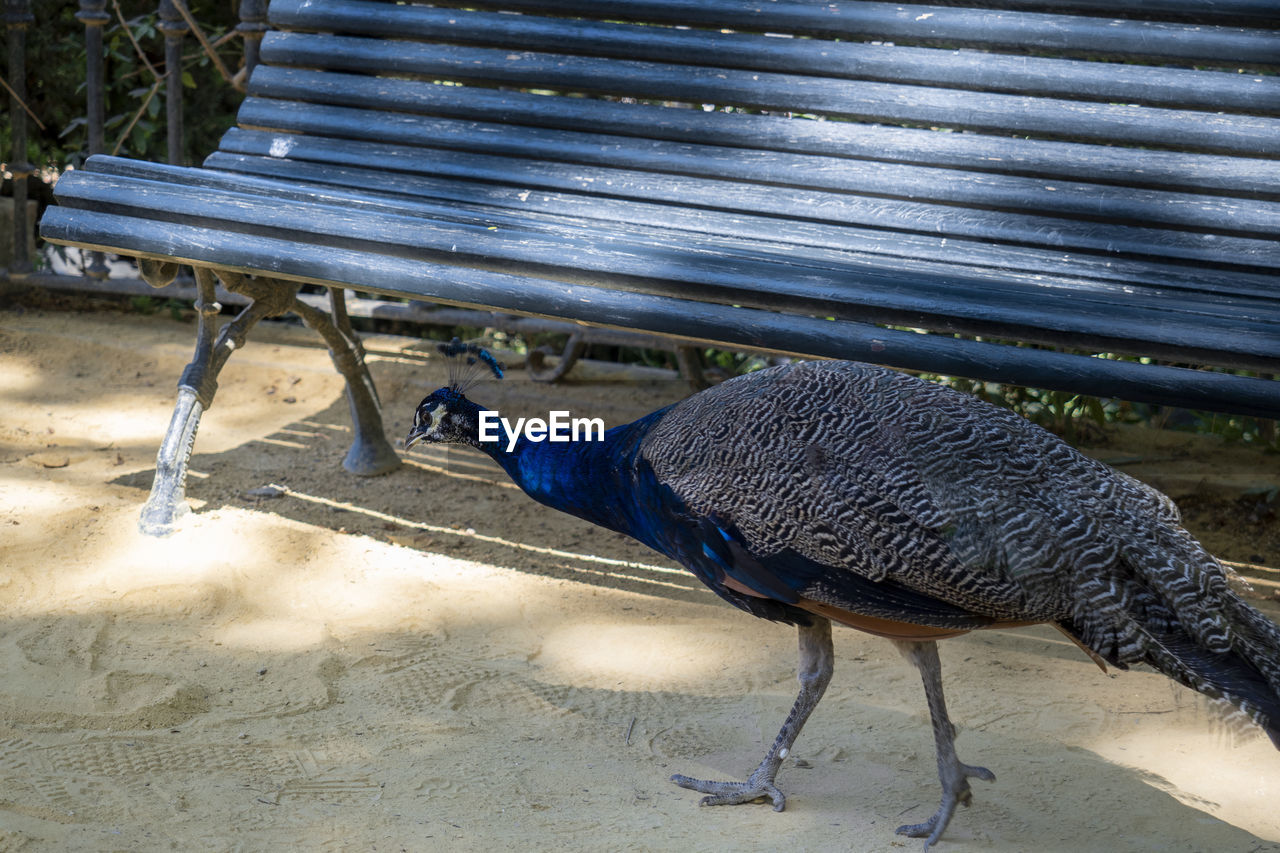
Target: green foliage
{"type": "Point", "coordinates": [1232, 428]}
{"type": "Point", "coordinates": [142, 305]}
{"type": "Point", "coordinates": [1072, 416]}
{"type": "Point", "coordinates": [179, 309]}
{"type": "Point", "coordinates": [733, 363]}
{"type": "Point", "coordinates": [135, 115]}
{"type": "Point", "coordinates": [1078, 417]}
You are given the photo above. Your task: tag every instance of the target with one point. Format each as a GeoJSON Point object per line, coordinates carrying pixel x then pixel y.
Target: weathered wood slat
{"type": "Point", "coordinates": [797, 281]}
{"type": "Point", "coordinates": [1020, 30]}
{"type": "Point", "coordinates": [1048, 117]}
{"type": "Point", "coordinates": [1246, 176]}
{"type": "Point", "coordinates": [1259, 11]}
{"type": "Point", "coordinates": [443, 195]}
{"type": "Point", "coordinates": [958, 69]}
{"type": "Point", "coordinates": [782, 169]}
{"type": "Point", "coordinates": [710, 324]}
{"type": "Point", "coordinates": [724, 184]}
{"type": "Point", "coordinates": [1189, 289]}
{"type": "Point", "coordinates": [843, 208]}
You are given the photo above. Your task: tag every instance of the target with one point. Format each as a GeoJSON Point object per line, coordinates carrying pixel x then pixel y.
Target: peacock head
{"type": "Point", "coordinates": [446, 415]}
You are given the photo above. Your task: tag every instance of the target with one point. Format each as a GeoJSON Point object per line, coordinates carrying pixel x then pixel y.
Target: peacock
{"type": "Point", "coordinates": [831, 491]}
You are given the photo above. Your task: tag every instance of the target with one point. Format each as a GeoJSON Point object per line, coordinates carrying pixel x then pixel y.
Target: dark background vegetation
{"type": "Point", "coordinates": [135, 119]}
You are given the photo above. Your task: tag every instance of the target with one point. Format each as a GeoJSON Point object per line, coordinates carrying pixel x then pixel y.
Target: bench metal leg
{"type": "Point", "coordinates": [689, 360]}
{"type": "Point", "coordinates": [370, 452]}
{"type": "Point", "coordinates": [199, 383]}
{"type": "Point", "coordinates": [167, 502]}
{"type": "Point", "coordinates": [537, 364]}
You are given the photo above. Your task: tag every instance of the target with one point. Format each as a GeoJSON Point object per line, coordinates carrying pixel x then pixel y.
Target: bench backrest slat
{"type": "Point", "coordinates": [1088, 35]}
{"type": "Point", "coordinates": [831, 97]}
{"type": "Point", "coordinates": [295, 89]}
{"type": "Point", "coordinates": [1249, 11]}
{"type": "Point", "coordinates": [859, 60]}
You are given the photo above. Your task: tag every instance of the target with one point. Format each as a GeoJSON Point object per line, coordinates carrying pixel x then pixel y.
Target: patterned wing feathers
{"type": "Point", "coordinates": [882, 480]}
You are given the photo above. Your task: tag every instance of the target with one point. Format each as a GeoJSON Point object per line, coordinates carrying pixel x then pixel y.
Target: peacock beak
{"type": "Point", "coordinates": [415, 435]}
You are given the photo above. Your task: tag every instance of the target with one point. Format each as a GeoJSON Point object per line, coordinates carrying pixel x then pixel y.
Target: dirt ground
{"type": "Point", "coordinates": [430, 661]}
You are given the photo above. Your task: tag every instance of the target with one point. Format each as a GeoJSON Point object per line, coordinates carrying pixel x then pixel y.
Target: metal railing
{"type": "Point", "coordinates": [17, 17]}
{"type": "Point", "coordinates": [175, 24]}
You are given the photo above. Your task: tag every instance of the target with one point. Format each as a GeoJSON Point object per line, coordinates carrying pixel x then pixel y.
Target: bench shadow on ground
{"type": "Point", "coordinates": [444, 499]}
{"type": "Point", "coordinates": [449, 500]}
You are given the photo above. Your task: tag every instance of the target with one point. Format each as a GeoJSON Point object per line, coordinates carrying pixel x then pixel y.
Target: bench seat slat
{"type": "Point", "coordinates": [467, 201]}
{"type": "Point", "coordinates": [921, 24]}
{"type": "Point", "coordinates": [712, 324]}
{"type": "Point", "coordinates": [1047, 117]}
{"type": "Point", "coordinates": [802, 281]}
{"type": "Point", "coordinates": [1166, 285]}
{"type": "Point", "coordinates": [954, 69]}
{"type": "Point", "coordinates": [782, 169]}
{"type": "Point", "coordinates": [443, 195]}
{"type": "Point", "coordinates": [844, 208]}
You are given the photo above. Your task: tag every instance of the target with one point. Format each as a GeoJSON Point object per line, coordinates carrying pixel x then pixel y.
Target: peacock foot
{"type": "Point", "coordinates": [955, 789]}
{"type": "Point", "coordinates": [759, 786]}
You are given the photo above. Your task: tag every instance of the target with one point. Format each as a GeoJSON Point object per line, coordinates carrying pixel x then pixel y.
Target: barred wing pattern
{"type": "Point", "coordinates": [871, 472]}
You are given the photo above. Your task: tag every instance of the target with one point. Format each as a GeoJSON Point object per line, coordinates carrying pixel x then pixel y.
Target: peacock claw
{"type": "Point", "coordinates": [814, 673]}
{"type": "Point", "coordinates": [955, 790]}
{"type": "Point", "coordinates": [733, 793]}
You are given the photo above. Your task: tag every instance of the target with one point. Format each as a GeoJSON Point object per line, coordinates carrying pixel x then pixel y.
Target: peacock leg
{"type": "Point", "coordinates": [814, 673]}
{"type": "Point", "coordinates": [953, 774]}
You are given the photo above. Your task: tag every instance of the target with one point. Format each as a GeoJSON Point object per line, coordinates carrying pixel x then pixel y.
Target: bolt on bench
{"type": "Point", "coordinates": [812, 178]}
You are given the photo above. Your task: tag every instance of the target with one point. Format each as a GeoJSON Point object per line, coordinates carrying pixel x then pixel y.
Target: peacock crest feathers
{"type": "Point", "coordinates": [446, 415]}
{"type": "Point", "coordinates": [467, 364]}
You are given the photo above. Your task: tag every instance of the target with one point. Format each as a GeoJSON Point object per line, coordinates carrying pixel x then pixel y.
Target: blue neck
{"type": "Point", "coordinates": [589, 479]}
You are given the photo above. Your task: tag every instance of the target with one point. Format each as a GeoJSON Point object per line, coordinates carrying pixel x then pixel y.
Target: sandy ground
{"type": "Point", "coordinates": [430, 661]}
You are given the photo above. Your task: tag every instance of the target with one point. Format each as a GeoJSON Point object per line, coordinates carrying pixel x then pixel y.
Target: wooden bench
{"type": "Point", "coordinates": [813, 178]}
